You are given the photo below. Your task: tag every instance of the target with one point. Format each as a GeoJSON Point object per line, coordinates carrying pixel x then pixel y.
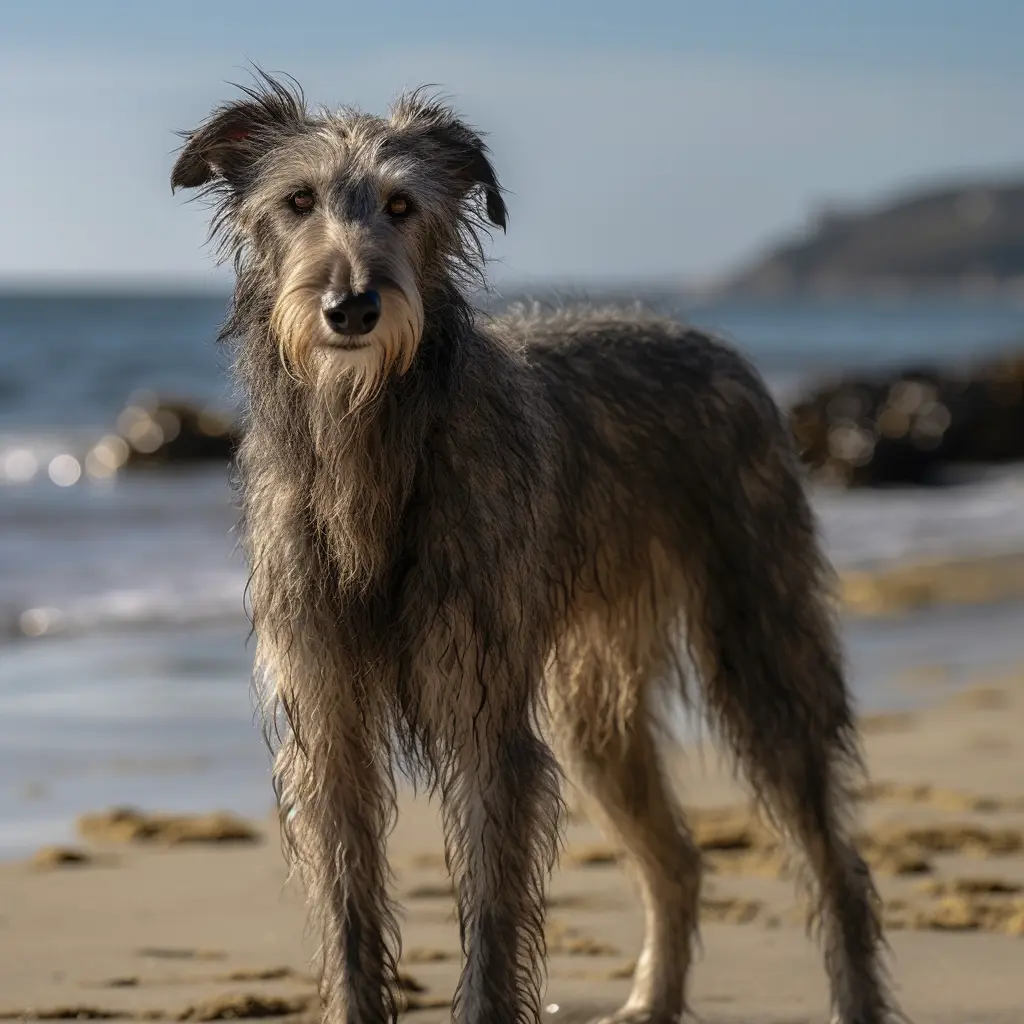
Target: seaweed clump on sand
{"type": "Point", "coordinates": [127, 825]}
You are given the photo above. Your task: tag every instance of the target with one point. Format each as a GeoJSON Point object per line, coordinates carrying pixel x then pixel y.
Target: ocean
{"type": "Point", "coordinates": [136, 688]}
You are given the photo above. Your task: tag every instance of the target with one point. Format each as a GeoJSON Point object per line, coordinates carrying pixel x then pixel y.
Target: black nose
{"type": "Point", "coordinates": [356, 314]}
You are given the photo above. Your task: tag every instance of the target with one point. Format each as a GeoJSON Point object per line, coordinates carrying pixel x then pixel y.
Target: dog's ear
{"type": "Point", "coordinates": [470, 163]}
{"type": "Point", "coordinates": [462, 150]}
{"type": "Point", "coordinates": [236, 135]}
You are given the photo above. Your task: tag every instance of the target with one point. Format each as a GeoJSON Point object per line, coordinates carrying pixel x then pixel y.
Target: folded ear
{"type": "Point", "coordinates": [236, 135]}
{"type": "Point", "coordinates": [474, 167]}
{"type": "Point", "coordinates": [461, 149]}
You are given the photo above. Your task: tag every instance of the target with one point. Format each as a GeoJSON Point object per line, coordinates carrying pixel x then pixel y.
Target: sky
{"type": "Point", "coordinates": [652, 139]}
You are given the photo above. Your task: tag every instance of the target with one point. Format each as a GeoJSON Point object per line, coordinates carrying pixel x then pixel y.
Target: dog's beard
{"type": "Point", "coordinates": [315, 355]}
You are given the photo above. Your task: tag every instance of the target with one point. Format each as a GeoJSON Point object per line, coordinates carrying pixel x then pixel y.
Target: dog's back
{"type": "Point", "coordinates": [661, 399]}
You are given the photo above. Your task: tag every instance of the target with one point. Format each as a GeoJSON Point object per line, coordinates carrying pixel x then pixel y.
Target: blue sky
{"type": "Point", "coordinates": [644, 139]}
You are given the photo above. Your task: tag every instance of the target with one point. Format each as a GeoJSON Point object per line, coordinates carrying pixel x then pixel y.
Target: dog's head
{"type": "Point", "coordinates": [350, 221]}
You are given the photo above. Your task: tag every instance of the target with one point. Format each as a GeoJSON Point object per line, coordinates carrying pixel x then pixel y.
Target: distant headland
{"type": "Point", "coordinates": [965, 238]}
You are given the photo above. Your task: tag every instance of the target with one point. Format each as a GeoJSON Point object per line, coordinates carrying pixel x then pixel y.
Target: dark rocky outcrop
{"type": "Point", "coordinates": [911, 426]}
{"type": "Point", "coordinates": [160, 431]}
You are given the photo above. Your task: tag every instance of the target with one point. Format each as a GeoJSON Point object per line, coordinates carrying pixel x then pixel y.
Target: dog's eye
{"type": "Point", "coordinates": [399, 206]}
{"type": "Point", "coordinates": [302, 201]}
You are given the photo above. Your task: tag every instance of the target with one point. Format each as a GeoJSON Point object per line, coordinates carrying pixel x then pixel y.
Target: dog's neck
{"type": "Point", "coordinates": [353, 469]}
{"type": "Point", "coordinates": [369, 458]}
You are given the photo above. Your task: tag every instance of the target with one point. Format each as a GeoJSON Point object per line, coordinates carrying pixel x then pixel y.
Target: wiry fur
{"type": "Point", "coordinates": [468, 524]}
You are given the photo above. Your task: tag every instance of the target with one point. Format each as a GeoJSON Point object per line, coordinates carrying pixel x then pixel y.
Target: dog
{"type": "Point", "coordinates": [477, 542]}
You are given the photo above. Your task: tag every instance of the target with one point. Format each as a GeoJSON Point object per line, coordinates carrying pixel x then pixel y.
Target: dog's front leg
{"type": "Point", "coordinates": [336, 802]}
{"type": "Point", "coordinates": [503, 813]}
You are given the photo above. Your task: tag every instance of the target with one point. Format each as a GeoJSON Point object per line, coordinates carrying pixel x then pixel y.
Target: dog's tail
{"type": "Point", "coordinates": [763, 633]}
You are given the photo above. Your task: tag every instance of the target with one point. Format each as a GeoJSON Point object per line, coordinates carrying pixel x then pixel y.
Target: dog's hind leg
{"type": "Point", "coordinates": [762, 633]}
{"type": "Point", "coordinates": [619, 771]}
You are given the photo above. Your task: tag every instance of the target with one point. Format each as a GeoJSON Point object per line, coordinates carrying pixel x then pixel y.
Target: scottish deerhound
{"type": "Point", "coordinates": [468, 534]}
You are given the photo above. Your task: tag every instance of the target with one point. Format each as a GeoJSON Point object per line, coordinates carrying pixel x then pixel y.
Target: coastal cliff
{"type": "Point", "coordinates": [954, 238]}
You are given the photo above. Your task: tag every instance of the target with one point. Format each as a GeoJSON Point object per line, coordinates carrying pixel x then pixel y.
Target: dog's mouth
{"type": "Point", "coordinates": [346, 344]}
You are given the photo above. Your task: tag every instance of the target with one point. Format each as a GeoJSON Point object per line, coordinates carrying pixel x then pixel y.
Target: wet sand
{"type": "Point", "coordinates": [189, 919]}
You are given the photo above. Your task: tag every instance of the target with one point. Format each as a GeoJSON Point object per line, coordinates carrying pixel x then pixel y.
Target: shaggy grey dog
{"type": "Point", "coordinates": [466, 535]}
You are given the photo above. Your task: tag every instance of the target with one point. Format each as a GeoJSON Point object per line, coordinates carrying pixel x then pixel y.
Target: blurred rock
{"type": "Point", "coordinates": [160, 431]}
{"type": "Point", "coordinates": [51, 857]}
{"type": "Point", "coordinates": [910, 426]}
{"type": "Point", "coordinates": [127, 825]}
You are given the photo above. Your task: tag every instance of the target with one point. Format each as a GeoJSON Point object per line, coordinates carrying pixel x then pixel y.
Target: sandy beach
{"type": "Point", "coordinates": [190, 919]}
{"type": "Point", "coordinates": [259, 269]}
